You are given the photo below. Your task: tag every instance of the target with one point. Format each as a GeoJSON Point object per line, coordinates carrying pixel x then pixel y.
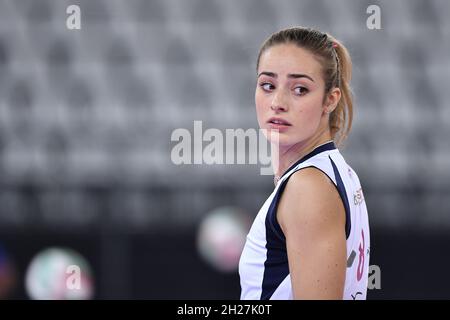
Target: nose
{"type": "Point", "coordinates": [279, 103]}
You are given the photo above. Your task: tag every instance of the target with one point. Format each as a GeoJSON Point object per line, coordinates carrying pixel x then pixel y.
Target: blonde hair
{"type": "Point", "coordinates": [336, 66]}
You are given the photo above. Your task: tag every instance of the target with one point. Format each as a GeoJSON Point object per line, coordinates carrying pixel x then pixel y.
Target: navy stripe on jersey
{"type": "Point", "coordinates": [325, 147]}
{"type": "Point", "coordinates": [276, 267]}
{"type": "Point", "coordinates": [341, 189]}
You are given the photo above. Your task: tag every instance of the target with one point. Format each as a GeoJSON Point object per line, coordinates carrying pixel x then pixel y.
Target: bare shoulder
{"type": "Point", "coordinates": [312, 217]}
{"type": "Point", "coordinates": [310, 199]}
{"type": "Point", "coordinates": [309, 179]}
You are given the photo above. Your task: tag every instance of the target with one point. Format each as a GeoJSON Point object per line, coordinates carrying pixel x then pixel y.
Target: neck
{"type": "Point", "coordinates": [288, 155]}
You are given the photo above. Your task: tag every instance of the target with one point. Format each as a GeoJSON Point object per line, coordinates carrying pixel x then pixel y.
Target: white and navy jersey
{"type": "Point", "coordinates": [263, 266]}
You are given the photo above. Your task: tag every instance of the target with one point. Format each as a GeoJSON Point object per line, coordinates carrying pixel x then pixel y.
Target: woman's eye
{"type": "Point", "coordinates": [267, 86]}
{"type": "Point", "coordinates": [300, 91]}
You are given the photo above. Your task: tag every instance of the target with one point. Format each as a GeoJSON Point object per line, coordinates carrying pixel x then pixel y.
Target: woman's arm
{"type": "Point", "coordinates": [312, 217]}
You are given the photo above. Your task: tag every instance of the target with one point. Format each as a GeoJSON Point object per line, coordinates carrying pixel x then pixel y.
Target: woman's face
{"type": "Point", "coordinates": [289, 94]}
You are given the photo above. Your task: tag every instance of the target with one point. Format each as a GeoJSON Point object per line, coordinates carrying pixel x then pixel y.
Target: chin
{"type": "Point", "coordinates": [282, 138]}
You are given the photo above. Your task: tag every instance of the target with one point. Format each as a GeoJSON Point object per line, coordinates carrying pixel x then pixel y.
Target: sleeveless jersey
{"type": "Point", "coordinates": [263, 266]}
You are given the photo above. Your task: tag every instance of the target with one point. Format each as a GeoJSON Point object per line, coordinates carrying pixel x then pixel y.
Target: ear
{"type": "Point", "coordinates": [332, 100]}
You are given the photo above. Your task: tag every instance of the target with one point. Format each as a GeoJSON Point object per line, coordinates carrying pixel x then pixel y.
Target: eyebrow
{"type": "Point", "coordinates": [291, 75]}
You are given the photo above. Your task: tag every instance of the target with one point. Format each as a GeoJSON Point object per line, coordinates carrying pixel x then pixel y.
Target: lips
{"type": "Point", "coordinates": [279, 121]}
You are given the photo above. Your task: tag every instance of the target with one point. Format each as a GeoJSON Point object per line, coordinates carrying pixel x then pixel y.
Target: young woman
{"type": "Point", "coordinates": [310, 239]}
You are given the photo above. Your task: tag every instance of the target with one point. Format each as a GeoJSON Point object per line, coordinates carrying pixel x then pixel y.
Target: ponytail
{"type": "Point", "coordinates": [342, 117]}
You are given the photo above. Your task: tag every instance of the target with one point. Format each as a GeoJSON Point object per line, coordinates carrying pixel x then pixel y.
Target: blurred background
{"type": "Point", "coordinates": [86, 118]}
